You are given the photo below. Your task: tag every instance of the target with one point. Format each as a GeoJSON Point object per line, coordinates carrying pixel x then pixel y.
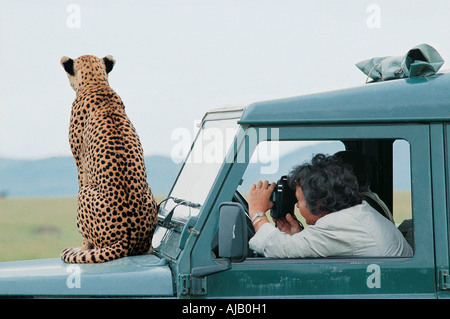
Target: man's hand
{"type": "Point", "coordinates": [259, 197]}
{"type": "Point", "coordinates": [289, 225]}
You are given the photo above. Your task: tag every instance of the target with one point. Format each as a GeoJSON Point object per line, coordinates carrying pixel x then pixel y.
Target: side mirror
{"type": "Point", "coordinates": [233, 245]}
{"type": "Point", "coordinates": [233, 242]}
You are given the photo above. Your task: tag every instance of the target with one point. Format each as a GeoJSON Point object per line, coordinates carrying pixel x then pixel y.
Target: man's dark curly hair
{"type": "Point", "coordinates": [328, 185]}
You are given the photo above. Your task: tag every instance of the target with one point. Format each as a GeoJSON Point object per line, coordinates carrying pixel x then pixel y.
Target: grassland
{"type": "Point", "coordinates": [42, 227]}
{"type": "Point", "coordinates": [34, 228]}
{"type": "Point", "coordinates": [37, 228]}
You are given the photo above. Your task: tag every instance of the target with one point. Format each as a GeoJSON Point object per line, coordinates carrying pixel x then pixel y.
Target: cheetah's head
{"type": "Point", "coordinates": [87, 70]}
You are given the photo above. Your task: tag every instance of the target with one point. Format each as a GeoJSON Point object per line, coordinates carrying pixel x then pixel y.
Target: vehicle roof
{"type": "Point", "coordinates": [403, 100]}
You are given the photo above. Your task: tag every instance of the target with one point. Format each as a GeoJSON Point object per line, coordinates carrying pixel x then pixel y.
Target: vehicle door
{"type": "Point", "coordinates": [407, 192]}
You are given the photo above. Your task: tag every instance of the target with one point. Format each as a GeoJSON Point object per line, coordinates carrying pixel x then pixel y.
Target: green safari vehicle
{"type": "Point", "coordinates": [200, 248]}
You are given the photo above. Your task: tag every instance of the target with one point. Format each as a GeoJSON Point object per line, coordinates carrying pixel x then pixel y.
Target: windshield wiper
{"type": "Point", "coordinates": [186, 203]}
{"type": "Point", "coordinates": [178, 202]}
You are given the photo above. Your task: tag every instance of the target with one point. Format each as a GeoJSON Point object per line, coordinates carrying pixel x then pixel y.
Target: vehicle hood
{"type": "Point", "coordinates": [144, 275]}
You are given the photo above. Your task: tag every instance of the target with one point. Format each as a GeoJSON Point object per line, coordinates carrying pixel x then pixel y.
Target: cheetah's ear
{"type": "Point", "coordinates": [109, 63]}
{"type": "Point", "coordinates": [67, 63]}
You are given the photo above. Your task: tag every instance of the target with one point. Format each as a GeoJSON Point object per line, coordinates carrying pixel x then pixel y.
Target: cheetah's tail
{"type": "Point", "coordinates": [96, 255]}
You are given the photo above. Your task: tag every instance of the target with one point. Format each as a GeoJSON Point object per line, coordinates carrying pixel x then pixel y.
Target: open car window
{"type": "Point", "coordinates": [389, 175]}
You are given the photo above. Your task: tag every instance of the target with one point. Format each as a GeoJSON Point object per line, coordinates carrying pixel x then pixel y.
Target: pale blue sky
{"type": "Point", "coordinates": [178, 59]}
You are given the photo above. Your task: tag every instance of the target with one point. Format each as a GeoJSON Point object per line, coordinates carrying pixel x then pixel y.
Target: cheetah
{"type": "Point", "coordinates": [116, 212]}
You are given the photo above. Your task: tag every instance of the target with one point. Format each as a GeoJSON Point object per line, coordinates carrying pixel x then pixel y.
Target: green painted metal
{"type": "Point", "coordinates": [405, 100]}
{"type": "Point", "coordinates": [323, 279]}
{"type": "Point", "coordinates": [334, 277]}
{"type": "Point", "coordinates": [144, 275]}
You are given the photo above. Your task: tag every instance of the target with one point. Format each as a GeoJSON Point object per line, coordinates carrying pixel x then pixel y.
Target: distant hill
{"type": "Point", "coordinates": [57, 176]}
{"type": "Point", "coordinates": [285, 164]}
{"type": "Point", "coordinates": [304, 154]}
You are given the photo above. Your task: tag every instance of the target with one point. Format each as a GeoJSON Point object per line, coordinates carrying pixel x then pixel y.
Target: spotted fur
{"type": "Point", "coordinates": [116, 209]}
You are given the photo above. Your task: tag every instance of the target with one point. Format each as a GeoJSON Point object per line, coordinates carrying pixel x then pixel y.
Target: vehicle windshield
{"type": "Point", "coordinates": [200, 169]}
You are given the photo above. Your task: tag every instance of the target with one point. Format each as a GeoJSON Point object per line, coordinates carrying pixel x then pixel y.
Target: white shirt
{"type": "Point", "coordinates": [356, 231]}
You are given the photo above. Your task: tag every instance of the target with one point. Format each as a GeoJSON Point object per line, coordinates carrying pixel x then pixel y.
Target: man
{"type": "Point", "coordinates": [341, 223]}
